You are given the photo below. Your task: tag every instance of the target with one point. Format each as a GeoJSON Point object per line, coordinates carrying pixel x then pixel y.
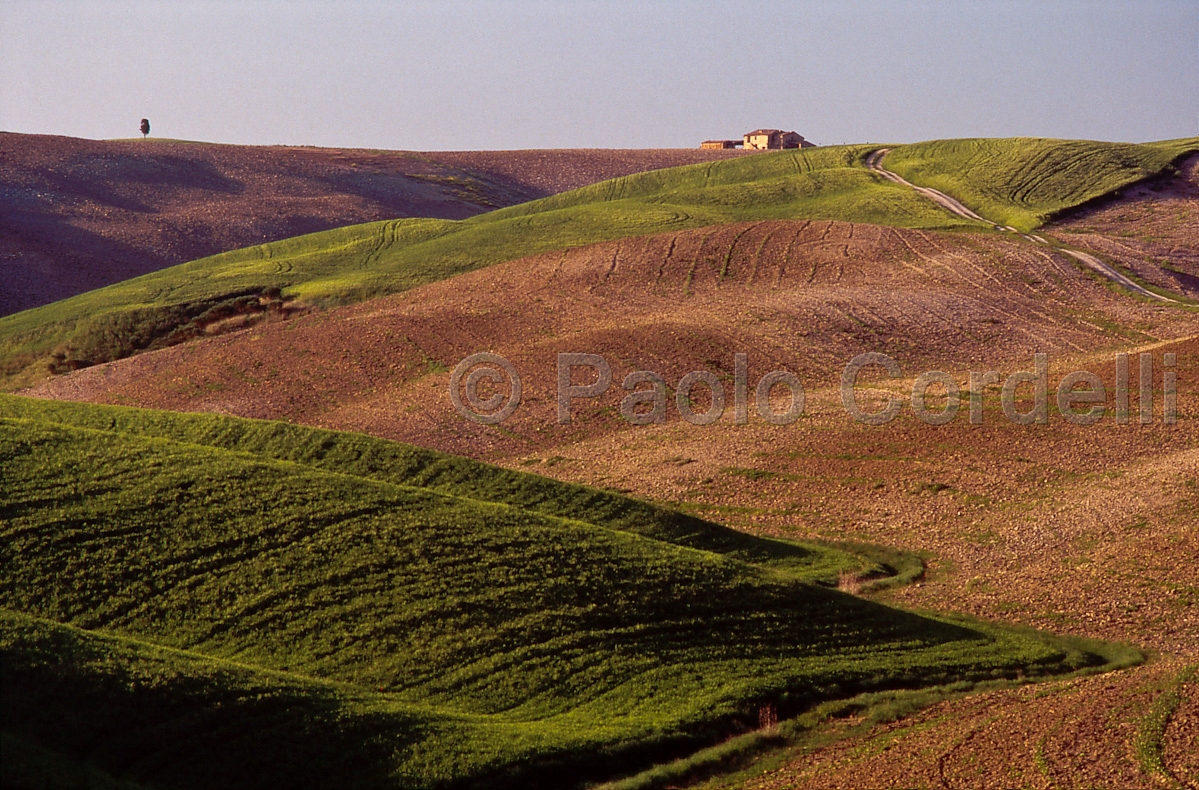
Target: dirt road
{"type": "Point", "coordinates": [940, 198]}
{"type": "Point", "coordinates": [873, 163]}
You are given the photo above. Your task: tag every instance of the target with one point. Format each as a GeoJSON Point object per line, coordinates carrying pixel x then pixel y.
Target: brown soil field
{"type": "Point", "coordinates": [80, 214]}
{"type": "Point", "coordinates": [805, 296]}
{"type": "Point", "coordinates": [1084, 530]}
{"type": "Point", "coordinates": [1069, 734]}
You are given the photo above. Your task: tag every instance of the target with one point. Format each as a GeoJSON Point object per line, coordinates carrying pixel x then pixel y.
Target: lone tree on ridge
{"type": "Point", "coordinates": [145, 127]}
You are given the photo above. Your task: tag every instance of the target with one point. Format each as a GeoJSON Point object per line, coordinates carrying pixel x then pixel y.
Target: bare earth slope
{"type": "Point", "coordinates": [806, 296]}
{"type": "Point", "coordinates": [79, 214]}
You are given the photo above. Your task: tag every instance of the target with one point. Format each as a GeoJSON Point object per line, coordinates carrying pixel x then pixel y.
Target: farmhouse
{"type": "Point", "coordinates": [774, 139]}
{"type": "Point", "coordinates": [761, 140]}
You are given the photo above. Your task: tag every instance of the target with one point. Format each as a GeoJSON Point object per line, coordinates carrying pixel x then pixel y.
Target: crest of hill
{"type": "Point", "coordinates": [166, 576]}
{"type": "Point", "coordinates": [360, 262]}
{"type": "Point", "coordinates": [1024, 182]}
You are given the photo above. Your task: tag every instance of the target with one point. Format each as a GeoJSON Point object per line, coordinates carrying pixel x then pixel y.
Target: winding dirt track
{"type": "Point", "coordinates": [874, 162]}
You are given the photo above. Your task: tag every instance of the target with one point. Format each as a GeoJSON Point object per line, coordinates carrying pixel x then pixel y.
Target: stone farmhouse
{"type": "Point", "coordinates": [762, 140]}
{"type": "Point", "coordinates": [773, 139]}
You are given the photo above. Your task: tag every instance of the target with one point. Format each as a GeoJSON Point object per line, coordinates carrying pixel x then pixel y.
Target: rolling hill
{"type": "Point", "coordinates": [82, 214]}
{"type": "Point", "coordinates": [1086, 530]}
{"type": "Point", "coordinates": [194, 600]}
{"type": "Point", "coordinates": [800, 296]}
{"type": "Point", "coordinates": [355, 263]}
{"type": "Point", "coordinates": [1025, 182]}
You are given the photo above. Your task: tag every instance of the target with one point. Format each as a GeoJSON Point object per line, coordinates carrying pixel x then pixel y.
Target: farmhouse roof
{"type": "Point", "coordinates": [763, 131]}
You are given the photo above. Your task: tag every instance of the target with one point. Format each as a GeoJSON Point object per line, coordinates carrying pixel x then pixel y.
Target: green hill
{"type": "Point", "coordinates": [199, 601]}
{"type": "Point", "coordinates": [1013, 177]}
{"type": "Point", "coordinates": [1023, 182]}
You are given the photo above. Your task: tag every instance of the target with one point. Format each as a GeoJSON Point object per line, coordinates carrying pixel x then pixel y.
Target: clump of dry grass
{"type": "Point", "coordinates": [850, 582]}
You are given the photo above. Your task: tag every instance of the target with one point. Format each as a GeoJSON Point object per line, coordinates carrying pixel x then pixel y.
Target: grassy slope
{"type": "Point", "coordinates": [191, 598]}
{"type": "Point", "coordinates": [1023, 182]}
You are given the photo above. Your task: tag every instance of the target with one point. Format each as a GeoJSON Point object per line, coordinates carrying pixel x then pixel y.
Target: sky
{"type": "Point", "coordinates": [508, 74]}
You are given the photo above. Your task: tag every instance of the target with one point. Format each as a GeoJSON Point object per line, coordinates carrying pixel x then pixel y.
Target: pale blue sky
{"type": "Point", "coordinates": [599, 73]}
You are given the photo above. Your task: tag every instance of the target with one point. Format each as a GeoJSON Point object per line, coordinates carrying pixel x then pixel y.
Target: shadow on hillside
{"type": "Point", "coordinates": [76, 706]}
{"type": "Point", "coordinates": [1171, 182]}
{"type": "Point", "coordinates": [44, 258]}
{"type": "Point", "coordinates": [448, 195]}
{"type": "Point", "coordinates": [112, 180]}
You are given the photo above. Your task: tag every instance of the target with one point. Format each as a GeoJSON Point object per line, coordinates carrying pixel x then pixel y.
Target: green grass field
{"type": "Point", "coordinates": [1015, 181]}
{"type": "Point", "coordinates": [200, 601]}
{"type": "Point", "coordinates": [1023, 182]}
